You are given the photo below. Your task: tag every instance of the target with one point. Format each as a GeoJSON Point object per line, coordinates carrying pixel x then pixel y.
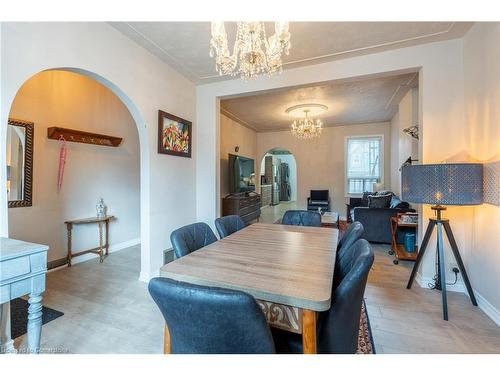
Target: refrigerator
{"type": "Point", "coordinates": [285, 189]}
{"type": "Point", "coordinates": [276, 184]}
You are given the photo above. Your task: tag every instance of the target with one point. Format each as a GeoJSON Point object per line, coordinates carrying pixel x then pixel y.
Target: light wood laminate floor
{"type": "Point", "coordinates": [107, 310]}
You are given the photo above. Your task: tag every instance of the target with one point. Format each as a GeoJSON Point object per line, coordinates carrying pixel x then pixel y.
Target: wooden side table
{"type": "Point", "coordinates": [398, 249]}
{"type": "Point", "coordinates": [96, 250]}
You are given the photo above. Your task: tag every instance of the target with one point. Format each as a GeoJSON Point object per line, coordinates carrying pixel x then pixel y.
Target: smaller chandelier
{"type": "Point", "coordinates": [253, 53]}
{"type": "Point", "coordinates": [306, 127]}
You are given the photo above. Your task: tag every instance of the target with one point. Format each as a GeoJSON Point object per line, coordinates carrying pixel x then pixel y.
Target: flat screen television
{"type": "Point", "coordinates": [241, 174]}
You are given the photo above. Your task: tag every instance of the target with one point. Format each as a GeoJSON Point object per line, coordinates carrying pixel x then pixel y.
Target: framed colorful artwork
{"type": "Point", "coordinates": [174, 135]}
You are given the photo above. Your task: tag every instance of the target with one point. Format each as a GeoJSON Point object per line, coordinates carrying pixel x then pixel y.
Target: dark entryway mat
{"type": "Point", "coordinates": [19, 316]}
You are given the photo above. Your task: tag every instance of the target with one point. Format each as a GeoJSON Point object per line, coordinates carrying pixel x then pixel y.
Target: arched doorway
{"type": "Point", "coordinates": [278, 178]}
{"type": "Point", "coordinates": [143, 164]}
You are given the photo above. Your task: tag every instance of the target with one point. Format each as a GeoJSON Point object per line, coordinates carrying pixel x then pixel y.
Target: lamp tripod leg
{"type": "Point", "coordinates": [421, 252]}
{"type": "Point", "coordinates": [460, 263]}
{"type": "Point", "coordinates": [441, 273]}
{"type": "Point", "coordinates": [437, 283]}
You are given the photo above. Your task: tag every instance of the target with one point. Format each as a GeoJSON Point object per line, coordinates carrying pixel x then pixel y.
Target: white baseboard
{"type": "Point", "coordinates": [488, 308]}
{"type": "Point", "coordinates": [146, 276]}
{"type": "Point", "coordinates": [112, 248]}
{"type": "Point", "coordinates": [459, 287]}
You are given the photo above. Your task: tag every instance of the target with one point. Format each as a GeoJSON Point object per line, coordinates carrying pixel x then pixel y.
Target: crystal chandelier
{"type": "Point", "coordinates": [306, 127]}
{"type": "Point", "coordinates": [255, 52]}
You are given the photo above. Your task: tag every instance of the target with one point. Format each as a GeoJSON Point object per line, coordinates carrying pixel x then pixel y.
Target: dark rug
{"type": "Point", "coordinates": [365, 337]}
{"type": "Point", "coordinates": [19, 316]}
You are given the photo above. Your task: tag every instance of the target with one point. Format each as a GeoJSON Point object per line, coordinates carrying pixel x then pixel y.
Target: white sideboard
{"type": "Point", "coordinates": [23, 266]}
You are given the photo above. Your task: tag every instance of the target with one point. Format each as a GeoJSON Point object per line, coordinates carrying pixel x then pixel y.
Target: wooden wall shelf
{"type": "Point", "coordinates": [79, 136]}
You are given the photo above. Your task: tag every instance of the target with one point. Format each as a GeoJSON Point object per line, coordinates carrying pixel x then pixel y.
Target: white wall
{"type": "Point", "coordinates": [233, 134]}
{"type": "Point", "coordinates": [144, 83]}
{"type": "Point", "coordinates": [320, 161]}
{"type": "Point", "coordinates": [395, 173]}
{"type": "Point", "coordinates": [70, 100]}
{"type": "Point", "coordinates": [482, 130]}
{"type": "Point", "coordinates": [402, 144]}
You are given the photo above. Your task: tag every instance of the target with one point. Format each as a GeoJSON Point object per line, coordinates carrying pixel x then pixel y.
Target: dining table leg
{"type": "Point", "coordinates": [309, 331]}
{"type": "Point", "coordinates": [166, 340]}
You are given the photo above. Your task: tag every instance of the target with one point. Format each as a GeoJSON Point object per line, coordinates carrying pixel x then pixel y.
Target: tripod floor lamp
{"type": "Point", "coordinates": [458, 184]}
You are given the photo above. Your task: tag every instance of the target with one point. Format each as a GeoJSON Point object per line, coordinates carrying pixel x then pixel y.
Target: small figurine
{"type": "Point", "coordinates": [101, 208]}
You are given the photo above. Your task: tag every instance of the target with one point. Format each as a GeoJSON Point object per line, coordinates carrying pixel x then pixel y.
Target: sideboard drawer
{"type": "Point", "coordinates": [14, 267]}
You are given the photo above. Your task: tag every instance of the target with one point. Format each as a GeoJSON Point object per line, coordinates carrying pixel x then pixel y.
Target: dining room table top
{"type": "Point", "coordinates": [286, 264]}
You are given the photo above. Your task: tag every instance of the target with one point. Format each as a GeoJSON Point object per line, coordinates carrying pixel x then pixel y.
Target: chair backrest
{"type": "Point", "coordinates": [227, 225]}
{"type": "Point", "coordinates": [302, 218]}
{"type": "Point", "coordinates": [206, 320]}
{"type": "Point", "coordinates": [191, 237]}
{"type": "Point", "coordinates": [319, 195]}
{"type": "Point", "coordinates": [352, 234]}
{"type": "Point", "coordinates": [339, 326]}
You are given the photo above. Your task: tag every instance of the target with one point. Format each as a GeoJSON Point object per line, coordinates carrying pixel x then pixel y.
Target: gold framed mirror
{"type": "Point", "coordinates": [19, 163]}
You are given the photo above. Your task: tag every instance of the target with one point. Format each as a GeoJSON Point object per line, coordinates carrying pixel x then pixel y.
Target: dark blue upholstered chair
{"type": "Point", "coordinates": [338, 328]}
{"type": "Point", "coordinates": [227, 225]}
{"type": "Point", "coordinates": [190, 238]}
{"type": "Point", "coordinates": [352, 234]}
{"type": "Point", "coordinates": [207, 320]}
{"type": "Point", "coordinates": [302, 218]}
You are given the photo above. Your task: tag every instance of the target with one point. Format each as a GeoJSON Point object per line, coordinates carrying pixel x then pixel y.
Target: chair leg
{"type": "Point", "coordinates": [166, 340]}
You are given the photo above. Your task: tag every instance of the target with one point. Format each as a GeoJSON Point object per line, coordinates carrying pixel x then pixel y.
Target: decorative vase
{"type": "Point", "coordinates": [101, 208]}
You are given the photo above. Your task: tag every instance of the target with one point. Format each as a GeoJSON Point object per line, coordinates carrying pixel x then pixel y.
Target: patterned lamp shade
{"type": "Point", "coordinates": [445, 184]}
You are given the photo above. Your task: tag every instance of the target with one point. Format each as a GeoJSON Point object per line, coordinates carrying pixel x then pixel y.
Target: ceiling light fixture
{"type": "Point", "coordinates": [255, 52]}
{"type": "Point", "coordinates": [306, 127]}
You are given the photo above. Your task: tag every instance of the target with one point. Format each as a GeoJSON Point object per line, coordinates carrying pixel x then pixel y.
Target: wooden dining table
{"type": "Point", "coordinates": [287, 269]}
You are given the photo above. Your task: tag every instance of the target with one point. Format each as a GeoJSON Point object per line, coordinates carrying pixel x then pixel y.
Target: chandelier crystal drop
{"type": "Point", "coordinates": [306, 127]}
{"type": "Point", "coordinates": [253, 53]}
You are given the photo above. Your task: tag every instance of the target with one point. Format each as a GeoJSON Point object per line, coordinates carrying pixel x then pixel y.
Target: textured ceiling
{"type": "Point", "coordinates": [185, 45]}
{"type": "Point", "coordinates": [348, 102]}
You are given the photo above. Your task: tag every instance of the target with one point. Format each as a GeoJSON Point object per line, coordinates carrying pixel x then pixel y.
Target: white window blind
{"type": "Point", "coordinates": [363, 164]}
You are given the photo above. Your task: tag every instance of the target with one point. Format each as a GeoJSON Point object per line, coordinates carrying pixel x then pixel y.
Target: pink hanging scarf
{"type": "Point", "coordinates": [62, 161]}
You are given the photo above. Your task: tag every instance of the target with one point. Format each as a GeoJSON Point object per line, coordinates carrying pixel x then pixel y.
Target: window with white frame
{"type": "Point", "coordinates": [363, 163]}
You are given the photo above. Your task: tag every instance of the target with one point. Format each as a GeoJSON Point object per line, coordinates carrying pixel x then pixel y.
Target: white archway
{"type": "Point", "coordinates": [143, 147]}
{"type": "Point", "coordinates": [287, 157]}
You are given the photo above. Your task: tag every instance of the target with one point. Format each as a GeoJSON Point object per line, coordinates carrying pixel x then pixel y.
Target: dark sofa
{"type": "Point", "coordinates": [376, 221]}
